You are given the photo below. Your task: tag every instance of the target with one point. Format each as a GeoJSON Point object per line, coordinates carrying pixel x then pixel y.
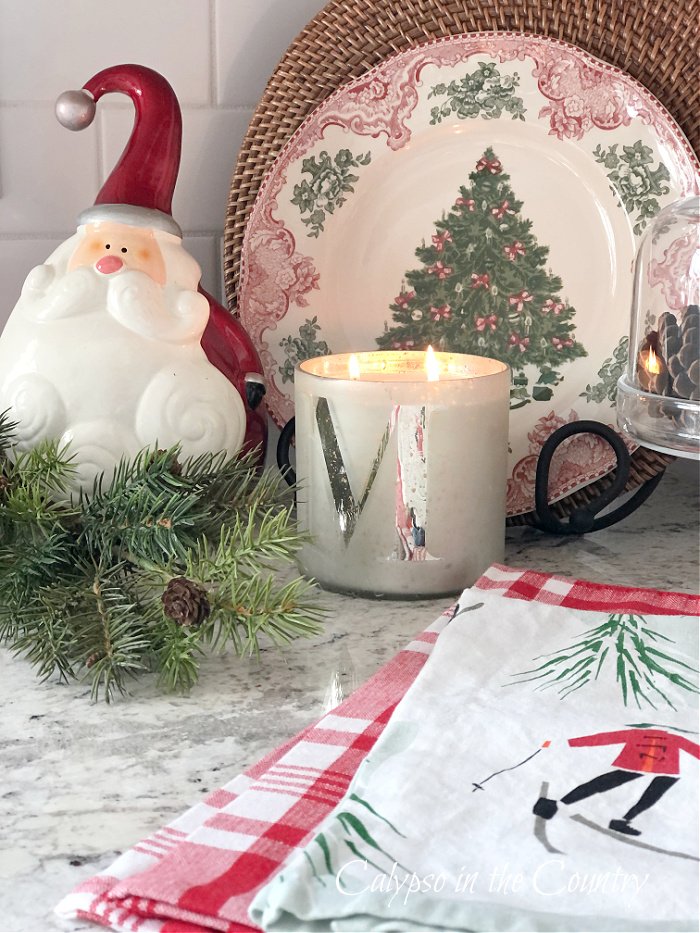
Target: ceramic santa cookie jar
{"type": "Point", "coordinates": [113, 346]}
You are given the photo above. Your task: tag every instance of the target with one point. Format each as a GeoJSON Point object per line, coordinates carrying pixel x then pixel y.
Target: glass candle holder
{"type": "Point", "coordinates": [658, 398]}
{"type": "Point", "coordinates": [401, 465]}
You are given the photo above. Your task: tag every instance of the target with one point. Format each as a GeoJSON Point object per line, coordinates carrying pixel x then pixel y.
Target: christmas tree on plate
{"type": "Point", "coordinates": [484, 288]}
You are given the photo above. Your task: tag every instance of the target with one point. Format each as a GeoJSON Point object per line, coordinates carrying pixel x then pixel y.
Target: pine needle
{"type": "Point", "coordinates": [84, 579]}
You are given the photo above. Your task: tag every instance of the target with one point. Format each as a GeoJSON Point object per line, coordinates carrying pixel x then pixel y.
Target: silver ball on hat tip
{"type": "Point", "coordinates": [75, 109]}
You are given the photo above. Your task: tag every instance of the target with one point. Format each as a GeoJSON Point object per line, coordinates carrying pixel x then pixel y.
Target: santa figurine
{"type": "Point", "coordinates": [113, 345]}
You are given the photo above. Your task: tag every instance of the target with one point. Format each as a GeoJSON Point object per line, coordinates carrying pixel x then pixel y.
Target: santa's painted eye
{"type": "Point", "coordinates": [107, 246]}
{"type": "Point", "coordinates": [124, 249]}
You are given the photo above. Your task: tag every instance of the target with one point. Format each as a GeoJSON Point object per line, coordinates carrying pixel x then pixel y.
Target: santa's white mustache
{"type": "Point", "coordinates": [129, 296]}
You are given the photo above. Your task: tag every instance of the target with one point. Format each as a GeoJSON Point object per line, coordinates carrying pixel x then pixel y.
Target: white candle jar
{"type": "Point", "coordinates": [401, 474]}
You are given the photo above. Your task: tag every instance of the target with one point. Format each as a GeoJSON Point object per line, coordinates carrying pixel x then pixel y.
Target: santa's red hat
{"type": "Point", "coordinates": [139, 190]}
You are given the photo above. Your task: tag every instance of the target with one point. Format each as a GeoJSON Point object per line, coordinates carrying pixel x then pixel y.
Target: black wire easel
{"type": "Point", "coordinates": [583, 519]}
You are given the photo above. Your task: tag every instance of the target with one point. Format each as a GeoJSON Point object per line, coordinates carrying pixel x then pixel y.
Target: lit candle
{"type": "Point", "coordinates": [652, 373]}
{"type": "Point", "coordinates": [401, 461]}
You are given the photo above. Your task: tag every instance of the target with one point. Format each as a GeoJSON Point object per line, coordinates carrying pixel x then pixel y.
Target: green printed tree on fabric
{"type": "Point", "coordinates": [484, 288]}
{"type": "Point", "coordinates": [641, 659]}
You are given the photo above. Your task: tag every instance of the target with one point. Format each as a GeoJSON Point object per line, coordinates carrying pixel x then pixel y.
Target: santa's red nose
{"type": "Point", "coordinates": [109, 264]}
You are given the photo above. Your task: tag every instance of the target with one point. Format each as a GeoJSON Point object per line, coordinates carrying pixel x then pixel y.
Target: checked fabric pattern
{"type": "Point", "coordinates": [580, 594]}
{"type": "Point", "coordinates": [202, 871]}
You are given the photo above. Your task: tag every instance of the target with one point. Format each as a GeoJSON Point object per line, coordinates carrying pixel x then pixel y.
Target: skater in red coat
{"type": "Point", "coordinates": [646, 749]}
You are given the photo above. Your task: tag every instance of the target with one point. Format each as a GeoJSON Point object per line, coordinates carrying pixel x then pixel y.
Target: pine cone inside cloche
{"type": "Point", "coordinates": [675, 354]}
{"type": "Point", "coordinates": [679, 346]}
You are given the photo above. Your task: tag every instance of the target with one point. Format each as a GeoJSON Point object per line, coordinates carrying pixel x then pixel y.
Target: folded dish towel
{"type": "Point", "coordinates": [540, 773]}
{"type": "Point", "coordinates": [203, 870]}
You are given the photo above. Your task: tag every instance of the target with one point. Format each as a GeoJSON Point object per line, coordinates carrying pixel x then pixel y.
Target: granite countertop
{"type": "Point", "coordinates": [83, 782]}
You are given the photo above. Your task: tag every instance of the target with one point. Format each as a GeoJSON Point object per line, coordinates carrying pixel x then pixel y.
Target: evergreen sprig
{"type": "Point", "coordinates": [148, 571]}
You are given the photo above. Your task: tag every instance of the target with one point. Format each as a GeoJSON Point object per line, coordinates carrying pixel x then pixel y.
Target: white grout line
{"type": "Point", "coordinates": [213, 77]}
{"type": "Point", "coordinates": [29, 237]}
{"type": "Point", "coordinates": [21, 235]}
{"type": "Point", "coordinates": [29, 104]}
{"type": "Point", "coordinates": [99, 149]}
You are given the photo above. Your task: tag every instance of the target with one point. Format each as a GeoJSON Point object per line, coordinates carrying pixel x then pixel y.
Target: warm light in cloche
{"type": "Point", "coordinates": [653, 365]}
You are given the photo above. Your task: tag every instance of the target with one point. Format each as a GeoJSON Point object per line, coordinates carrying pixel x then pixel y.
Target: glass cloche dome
{"type": "Point", "coordinates": [658, 398]}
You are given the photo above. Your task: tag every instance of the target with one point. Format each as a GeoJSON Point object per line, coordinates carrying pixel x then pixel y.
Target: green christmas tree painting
{"type": "Point", "coordinates": [484, 288]}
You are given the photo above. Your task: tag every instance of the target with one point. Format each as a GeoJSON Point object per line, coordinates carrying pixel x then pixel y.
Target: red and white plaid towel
{"type": "Point", "coordinates": [202, 871]}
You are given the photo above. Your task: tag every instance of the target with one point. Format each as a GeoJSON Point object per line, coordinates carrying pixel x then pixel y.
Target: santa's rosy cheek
{"type": "Point", "coordinates": [87, 254]}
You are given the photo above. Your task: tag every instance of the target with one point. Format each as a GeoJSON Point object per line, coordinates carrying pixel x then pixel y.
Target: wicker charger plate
{"type": "Point", "coordinates": [652, 40]}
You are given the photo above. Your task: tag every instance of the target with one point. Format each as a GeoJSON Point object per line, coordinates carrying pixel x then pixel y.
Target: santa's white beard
{"type": "Point", "coordinates": [110, 364]}
{"type": "Point", "coordinates": [131, 297]}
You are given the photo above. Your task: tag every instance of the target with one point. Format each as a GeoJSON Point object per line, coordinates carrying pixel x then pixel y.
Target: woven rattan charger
{"type": "Point", "coordinates": [655, 41]}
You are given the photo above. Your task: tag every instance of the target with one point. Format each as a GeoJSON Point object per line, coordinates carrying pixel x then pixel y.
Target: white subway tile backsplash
{"type": "Point", "coordinates": [217, 54]}
{"type": "Point", "coordinates": [17, 258]}
{"type": "Point", "coordinates": [47, 173]}
{"type": "Point", "coordinates": [210, 144]}
{"type": "Point", "coordinates": [250, 38]}
{"type": "Point", "coordinates": [47, 46]}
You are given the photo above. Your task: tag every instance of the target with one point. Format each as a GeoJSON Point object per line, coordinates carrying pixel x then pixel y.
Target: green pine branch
{"type": "Point", "coordinates": [86, 580]}
{"type": "Point", "coordinates": [7, 434]}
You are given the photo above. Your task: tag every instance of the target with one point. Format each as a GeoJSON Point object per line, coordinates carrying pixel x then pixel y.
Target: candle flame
{"type": "Point", "coordinates": [354, 367]}
{"type": "Point", "coordinates": [653, 365]}
{"type": "Point", "coordinates": [432, 366]}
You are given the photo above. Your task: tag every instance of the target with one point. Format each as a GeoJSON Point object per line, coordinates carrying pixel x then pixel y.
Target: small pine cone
{"type": "Point", "coordinates": [668, 331]}
{"type": "Point", "coordinates": [669, 341]}
{"type": "Point", "coordinates": [690, 318]}
{"type": "Point", "coordinates": [185, 602]}
{"type": "Point", "coordinates": [682, 386]}
{"type": "Point", "coordinates": [690, 332]}
{"type": "Point", "coordinates": [683, 363]}
{"type": "Point", "coordinates": [694, 372]}
{"type": "Point", "coordinates": [675, 367]}
{"type": "Point", "coordinates": [92, 660]}
{"type": "Point", "coordinates": [174, 467]}
{"type": "Point", "coordinates": [665, 320]}
{"type": "Point", "coordinates": [688, 355]}
{"type": "Point", "coordinates": [152, 458]}
{"type": "Point", "coordinates": [5, 485]}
